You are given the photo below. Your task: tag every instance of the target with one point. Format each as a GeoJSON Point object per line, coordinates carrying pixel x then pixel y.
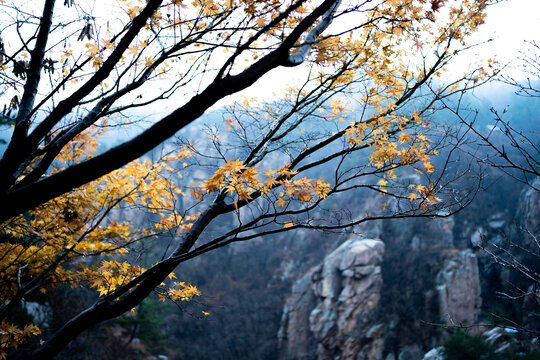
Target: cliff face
{"type": "Point", "coordinates": [528, 212]}
{"type": "Point", "coordinates": [458, 288]}
{"type": "Point", "coordinates": [366, 300]}
{"type": "Point", "coordinates": [332, 311]}
{"type": "Point", "coordinates": [355, 305]}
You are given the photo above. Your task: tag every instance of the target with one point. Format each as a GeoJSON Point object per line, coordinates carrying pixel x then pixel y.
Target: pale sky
{"type": "Point", "coordinates": [508, 23]}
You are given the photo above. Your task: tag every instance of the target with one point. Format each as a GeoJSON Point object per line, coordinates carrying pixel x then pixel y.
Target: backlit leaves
{"type": "Point", "coordinates": [67, 229]}
{"type": "Point", "coordinates": [242, 182]}
{"type": "Point", "coordinates": [11, 336]}
{"type": "Point", "coordinates": [182, 291]}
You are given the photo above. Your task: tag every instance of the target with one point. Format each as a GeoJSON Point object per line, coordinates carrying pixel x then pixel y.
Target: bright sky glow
{"type": "Point", "coordinates": [509, 23]}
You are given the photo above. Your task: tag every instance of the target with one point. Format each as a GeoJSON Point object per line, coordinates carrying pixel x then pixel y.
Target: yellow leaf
{"type": "Point", "coordinates": [416, 116]}
{"type": "Point", "coordinates": [148, 62]}
{"type": "Point", "coordinates": [304, 196]}
{"type": "Point", "coordinates": [404, 137]}
{"type": "Point", "coordinates": [428, 166]}
{"type": "Point", "coordinates": [133, 50]}
{"type": "Point", "coordinates": [280, 202]}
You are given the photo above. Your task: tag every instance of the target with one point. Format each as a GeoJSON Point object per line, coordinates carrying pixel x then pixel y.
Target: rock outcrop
{"type": "Point", "coordinates": [434, 354]}
{"type": "Point", "coordinates": [528, 212]}
{"type": "Point", "coordinates": [336, 310]}
{"type": "Point", "coordinates": [331, 312]}
{"type": "Point", "coordinates": [531, 308]}
{"type": "Point", "coordinates": [458, 286]}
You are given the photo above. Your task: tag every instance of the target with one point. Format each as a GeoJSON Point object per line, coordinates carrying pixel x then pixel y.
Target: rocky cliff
{"type": "Point", "coordinates": [336, 310]}
{"type": "Point", "coordinates": [366, 300]}
{"type": "Point", "coordinates": [458, 287]}
{"type": "Point", "coordinates": [332, 311]}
